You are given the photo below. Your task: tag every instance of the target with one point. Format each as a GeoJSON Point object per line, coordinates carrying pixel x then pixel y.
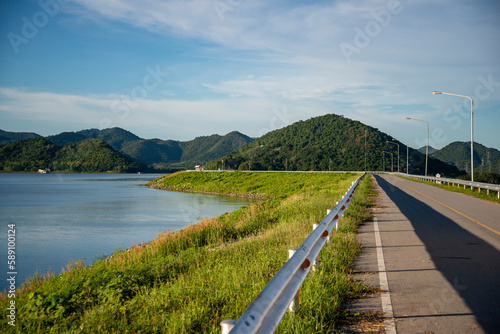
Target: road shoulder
{"type": "Point", "coordinates": [424, 301]}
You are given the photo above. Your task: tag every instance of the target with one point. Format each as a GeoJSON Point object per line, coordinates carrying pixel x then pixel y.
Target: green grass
{"type": "Point", "coordinates": [189, 281]}
{"type": "Point", "coordinates": [492, 196]}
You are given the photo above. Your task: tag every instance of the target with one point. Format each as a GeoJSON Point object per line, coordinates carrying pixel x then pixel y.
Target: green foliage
{"type": "Point", "coordinates": [189, 281]}
{"type": "Point", "coordinates": [483, 177]}
{"type": "Point", "coordinates": [325, 143]}
{"type": "Point", "coordinates": [476, 192]}
{"type": "Point", "coordinates": [10, 137]}
{"type": "Point", "coordinates": [458, 154]}
{"type": "Point", "coordinates": [87, 156]}
{"type": "Point", "coordinates": [28, 155]}
{"type": "Point", "coordinates": [166, 154]}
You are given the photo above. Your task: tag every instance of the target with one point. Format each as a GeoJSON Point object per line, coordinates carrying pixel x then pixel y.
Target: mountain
{"type": "Point", "coordinates": [116, 137]}
{"type": "Point", "coordinates": [89, 156]}
{"type": "Point", "coordinates": [329, 142]}
{"type": "Point", "coordinates": [212, 147]}
{"type": "Point", "coordinates": [431, 150]}
{"type": "Point", "coordinates": [157, 152]}
{"type": "Point", "coordinates": [10, 137]}
{"type": "Point", "coordinates": [458, 154]}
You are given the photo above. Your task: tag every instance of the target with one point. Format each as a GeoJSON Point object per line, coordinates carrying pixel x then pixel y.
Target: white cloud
{"type": "Point", "coordinates": [164, 119]}
{"type": "Point", "coordinates": [290, 57]}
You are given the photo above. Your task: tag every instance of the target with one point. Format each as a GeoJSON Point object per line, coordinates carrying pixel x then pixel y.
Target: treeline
{"type": "Point", "coordinates": [483, 177]}
{"type": "Point", "coordinates": [86, 156]}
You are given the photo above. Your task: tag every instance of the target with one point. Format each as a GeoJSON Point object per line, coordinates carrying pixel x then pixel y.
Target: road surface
{"type": "Point", "coordinates": [440, 253]}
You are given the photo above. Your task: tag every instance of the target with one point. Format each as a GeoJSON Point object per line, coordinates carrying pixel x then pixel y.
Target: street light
{"type": "Point", "coordinates": [471, 130]}
{"type": "Point", "coordinates": [427, 146]}
{"type": "Point", "coordinates": [390, 142]}
{"type": "Point", "coordinates": [406, 154]}
{"type": "Point", "coordinates": [383, 159]}
{"type": "Point", "coordinates": [392, 163]}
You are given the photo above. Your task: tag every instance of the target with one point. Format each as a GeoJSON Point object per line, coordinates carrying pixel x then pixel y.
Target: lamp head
{"type": "Point", "coordinates": [436, 92]}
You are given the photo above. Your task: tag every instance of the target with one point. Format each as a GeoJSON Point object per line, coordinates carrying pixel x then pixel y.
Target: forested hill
{"type": "Point", "coordinates": [329, 142]}
{"type": "Point", "coordinates": [157, 152]}
{"type": "Point", "coordinates": [10, 137]}
{"type": "Point", "coordinates": [88, 156]}
{"type": "Point", "coordinates": [486, 159]}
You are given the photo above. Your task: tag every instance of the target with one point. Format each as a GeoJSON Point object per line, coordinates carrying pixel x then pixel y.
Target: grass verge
{"type": "Point", "coordinates": [492, 196]}
{"type": "Point", "coordinates": [189, 281]}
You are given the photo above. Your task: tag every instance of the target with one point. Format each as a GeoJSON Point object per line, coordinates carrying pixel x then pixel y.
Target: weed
{"type": "Point", "coordinates": [191, 280]}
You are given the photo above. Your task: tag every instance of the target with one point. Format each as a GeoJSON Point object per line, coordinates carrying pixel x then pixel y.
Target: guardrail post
{"type": "Point", "coordinates": [327, 213]}
{"type": "Point", "coordinates": [294, 304]}
{"type": "Point", "coordinates": [316, 260]}
{"type": "Point", "coordinates": [227, 325]}
{"type": "Point", "coordinates": [337, 222]}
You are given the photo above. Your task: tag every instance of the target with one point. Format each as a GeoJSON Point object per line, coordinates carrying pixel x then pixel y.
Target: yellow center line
{"type": "Point", "coordinates": [462, 214]}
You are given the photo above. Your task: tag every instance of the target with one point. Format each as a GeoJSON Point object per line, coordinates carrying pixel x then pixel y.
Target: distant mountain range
{"type": "Point", "coordinates": [329, 142]}
{"type": "Point", "coordinates": [10, 137]}
{"type": "Point", "coordinates": [160, 154]}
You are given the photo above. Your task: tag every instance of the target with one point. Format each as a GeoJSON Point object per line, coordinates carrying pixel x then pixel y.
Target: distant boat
{"type": "Point", "coordinates": [44, 171]}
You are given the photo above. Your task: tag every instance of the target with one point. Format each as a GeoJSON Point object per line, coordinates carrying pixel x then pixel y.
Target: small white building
{"type": "Point", "coordinates": [199, 167]}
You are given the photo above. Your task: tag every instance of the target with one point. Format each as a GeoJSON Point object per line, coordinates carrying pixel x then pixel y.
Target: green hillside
{"type": "Point", "coordinates": [329, 142]}
{"type": "Point", "coordinates": [116, 137]}
{"type": "Point", "coordinates": [160, 153]}
{"type": "Point", "coordinates": [203, 149]}
{"type": "Point", "coordinates": [88, 156]}
{"type": "Point", "coordinates": [458, 153]}
{"type": "Point", "coordinates": [153, 151]}
{"type": "Point", "coordinates": [10, 137]}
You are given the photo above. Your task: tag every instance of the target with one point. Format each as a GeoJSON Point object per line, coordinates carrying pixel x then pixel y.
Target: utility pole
{"type": "Point", "coordinates": [365, 149]}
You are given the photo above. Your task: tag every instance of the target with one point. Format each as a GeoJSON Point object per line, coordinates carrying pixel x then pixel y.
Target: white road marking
{"type": "Point", "coordinates": [390, 325]}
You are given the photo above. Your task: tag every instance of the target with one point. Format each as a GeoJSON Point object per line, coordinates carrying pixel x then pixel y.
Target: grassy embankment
{"type": "Point", "coordinates": [189, 281]}
{"type": "Point", "coordinates": [492, 196]}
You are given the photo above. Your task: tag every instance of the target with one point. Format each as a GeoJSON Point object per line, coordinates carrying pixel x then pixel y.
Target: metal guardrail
{"type": "Point", "coordinates": [479, 185]}
{"type": "Point", "coordinates": [267, 309]}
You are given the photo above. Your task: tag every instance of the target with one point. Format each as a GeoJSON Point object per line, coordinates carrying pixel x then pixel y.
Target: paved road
{"type": "Point", "coordinates": [442, 258]}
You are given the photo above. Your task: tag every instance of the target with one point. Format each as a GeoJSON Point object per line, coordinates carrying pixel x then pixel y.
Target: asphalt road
{"type": "Point", "coordinates": [442, 257]}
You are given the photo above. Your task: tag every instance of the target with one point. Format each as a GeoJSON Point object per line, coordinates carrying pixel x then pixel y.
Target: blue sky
{"type": "Point", "coordinates": [185, 68]}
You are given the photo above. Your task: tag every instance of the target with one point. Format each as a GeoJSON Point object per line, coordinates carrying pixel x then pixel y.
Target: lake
{"type": "Point", "coordinates": [64, 217]}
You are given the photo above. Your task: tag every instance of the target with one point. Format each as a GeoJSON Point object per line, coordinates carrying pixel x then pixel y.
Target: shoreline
{"type": "Point", "coordinates": [248, 196]}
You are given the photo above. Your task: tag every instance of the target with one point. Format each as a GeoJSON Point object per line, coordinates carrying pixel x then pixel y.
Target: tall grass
{"type": "Point", "coordinates": [189, 281]}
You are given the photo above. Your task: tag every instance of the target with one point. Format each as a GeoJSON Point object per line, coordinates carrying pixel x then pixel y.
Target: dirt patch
{"type": "Point", "coordinates": [355, 322]}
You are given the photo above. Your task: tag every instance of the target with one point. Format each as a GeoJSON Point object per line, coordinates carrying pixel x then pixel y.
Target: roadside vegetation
{"type": "Point", "coordinates": [189, 280]}
{"type": "Point", "coordinates": [492, 196]}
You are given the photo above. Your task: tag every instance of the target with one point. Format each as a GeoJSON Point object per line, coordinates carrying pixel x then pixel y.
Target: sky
{"type": "Point", "coordinates": [181, 69]}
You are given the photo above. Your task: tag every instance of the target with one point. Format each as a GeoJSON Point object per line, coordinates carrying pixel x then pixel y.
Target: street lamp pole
{"type": "Point", "coordinates": [392, 163]}
{"type": "Point", "coordinates": [427, 146]}
{"type": "Point", "coordinates": [390, 142]}
{"type": "Point", "coordinates": [406, 155]}
{"type": "Point", "coordinates": [383, 155]}
{"type": "Point", "coordinates": [471, 130]}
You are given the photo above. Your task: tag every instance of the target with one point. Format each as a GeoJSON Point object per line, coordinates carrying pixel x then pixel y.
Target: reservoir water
{"type": "Point", "coordinates": [64, 217]}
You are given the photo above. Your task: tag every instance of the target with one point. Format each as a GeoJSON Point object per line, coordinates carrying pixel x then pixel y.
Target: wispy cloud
{"type": "Point", "coordinates": [163, 118]}
{"type": "Point", "coordinates": [241, 62]}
